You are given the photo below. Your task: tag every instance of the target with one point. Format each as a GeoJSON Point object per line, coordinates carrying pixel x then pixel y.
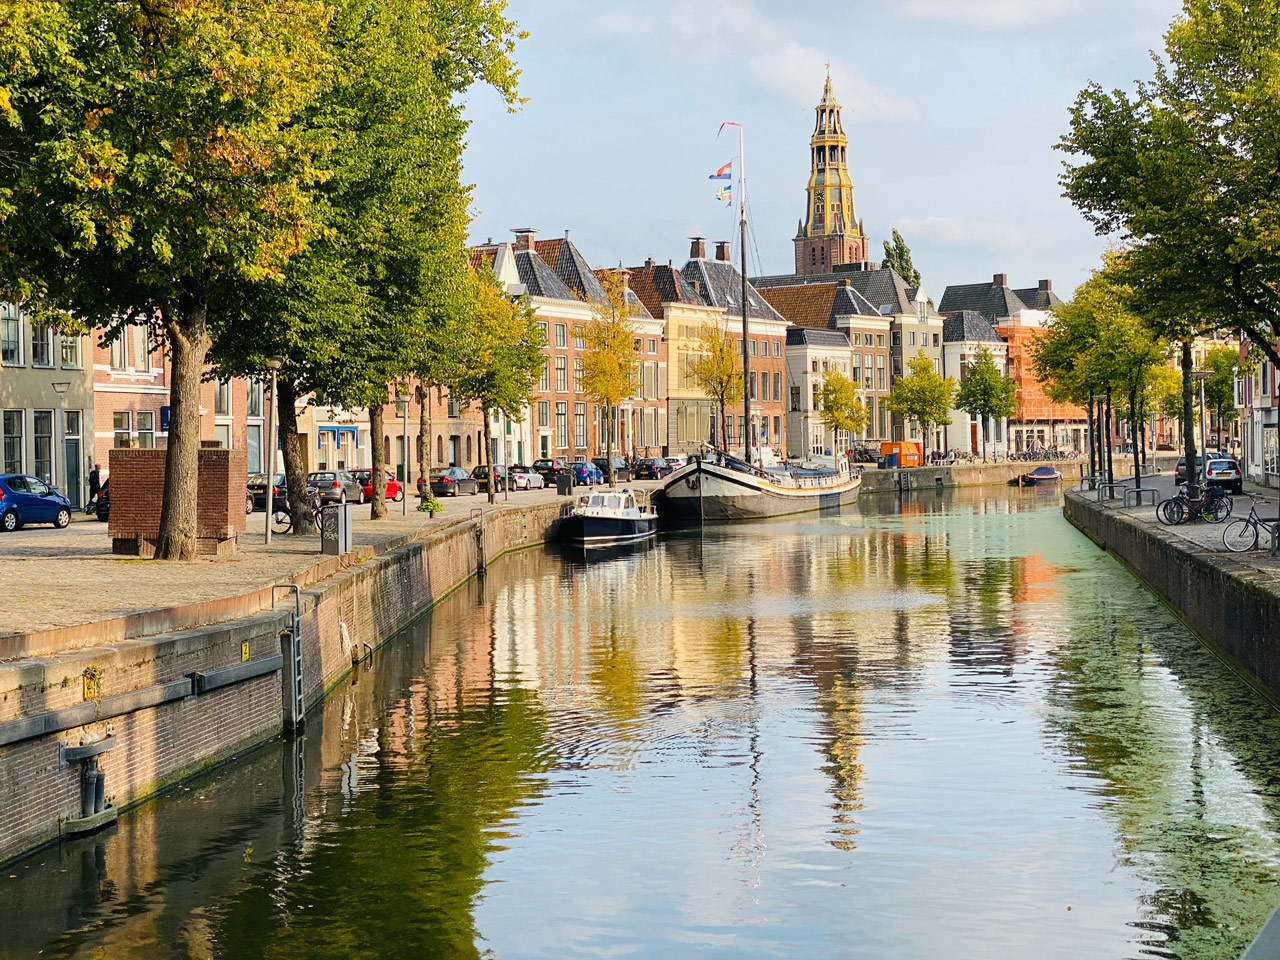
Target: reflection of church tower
{"type": "Point", "coordinates": [830, 232]}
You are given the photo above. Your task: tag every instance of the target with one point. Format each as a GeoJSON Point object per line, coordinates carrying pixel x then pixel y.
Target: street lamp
{"type": "Point", "coordinates": [274, 365]}
{"type": "Point", "coordinates": [402, 407]}
{"type": "Point", "coordinates": [1095, 437]}
{"type": "Point", "coordinates": [1200, 376]}
{"type": "Point", "coordinates": [61, 390]}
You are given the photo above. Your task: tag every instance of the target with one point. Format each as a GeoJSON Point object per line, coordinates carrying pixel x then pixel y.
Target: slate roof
{"type": "Point", "coordinates": [569, 265]}
{"type": "Point", "coordinates": [808, 336]}
{"type": "Point", "coordinates": [539, 279]}
{"type": "Point", "coordinates": [878, 286]}
{"type": "Point", "coordinates": [968, 326]}
{"type": "Point", "coordinates": [994, 303]}
{"type": "Point", "coordinates": [850, 303]}
{"type": "Point", "coordinates": [656, 284]}
{"type": "Point", "coordinates": [720, 285]}
{"type": "Point", "coordinates": [636, 302]}
{"type": "Point", "coordinates": [1038, 299]}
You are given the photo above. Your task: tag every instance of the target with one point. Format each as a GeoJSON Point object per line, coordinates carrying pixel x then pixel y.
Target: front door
{"type": "Point", "coordinates": [973, 436]}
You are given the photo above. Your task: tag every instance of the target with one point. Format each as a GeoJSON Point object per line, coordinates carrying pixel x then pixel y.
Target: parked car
{"type": "Point", "coordinates": [452, 482]}
{"type": "Point", "coordinates": [481, 475]}
{"type": "Point", "coordinates": [258, 490]}
{"type": "Point", "coordinates": [548, 468]}
{"type": "Point", "coordinates": [25, 500]}
{"type": "Point", "coordinates": [395, 491]}
{"type": "Point", "coordinates": [652, 468]}
{"type": "Point", "coordinates": [1180, 471]}
{"type": "Point", "coordinates": [526, 478]}
{"type": "Point", "coordinates": [585, 473]}
{"type": "Point", "coordinates": [1225, 473]}
{"type": "Point", "coordinates": [677, 462]}
{"type": "Point", "coordinates": [336, 486]}
{"type": "Point", "coordinates": [102, 508]}
{"type": "Point", "coordinates": [621, 469]}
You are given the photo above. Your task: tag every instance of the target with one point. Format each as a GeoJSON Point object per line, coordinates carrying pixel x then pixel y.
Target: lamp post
{"type": "Point", "coordinates": [1200, 376]}
{"type": "Point", "coordinates": [61, 390]}
{"type": "Point", "coordinates": [402, 407]}
{"type": "Point", "coordinates": [1095, 437]}
{"type": "Point", "coordinates": [274, 365]}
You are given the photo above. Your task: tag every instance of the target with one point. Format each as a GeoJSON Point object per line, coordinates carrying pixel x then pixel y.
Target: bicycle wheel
{"type": "Point", "coordinates": [1218, 510]}
{"type": "Point", "coordinates": [1240, 536]}
{"type": "Point", "coordinates": [1169, 512]}
{"type": "Point", "coordinates": [281, 521]}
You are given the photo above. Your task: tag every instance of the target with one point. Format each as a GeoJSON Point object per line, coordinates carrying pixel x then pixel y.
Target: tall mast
{"type": "Point", "coordinates": [746, 361]}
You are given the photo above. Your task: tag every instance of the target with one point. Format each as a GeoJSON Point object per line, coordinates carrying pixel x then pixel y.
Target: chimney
{"type": "Point", "coordinates": [1046, 286]}
{"type": "Point", "coordinates": [1000, 280]}
{"type": "Point", "coordinates": [648, 265]}
{"type": "Point", "coordinates": [722, 250]}
{"type": "Point", "coordinates": [697, 248]}
{"type": "Point", "coordinates": [524, 237]}
{"type": "Point", "coordinates": [697, 286]}
{"type": "Point", "coordinates": [566, 234]}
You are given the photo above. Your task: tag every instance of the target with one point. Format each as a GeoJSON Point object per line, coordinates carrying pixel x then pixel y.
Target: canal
{"type": "Point", "coordinates": [942, 727]}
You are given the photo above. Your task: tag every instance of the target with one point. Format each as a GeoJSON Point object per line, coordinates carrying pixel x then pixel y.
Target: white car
{"type": "Point", "coordinates": [677, 462]}
{"type": "Point", "coordinates": [526, 478]}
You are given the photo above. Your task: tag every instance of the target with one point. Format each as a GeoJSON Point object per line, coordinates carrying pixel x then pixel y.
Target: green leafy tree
{"type": "Point", "coordinates": [923, 396]}
{"type": "Point", "coordinates": [610, 361]}
{"type": "Point", "coordinates": [840, 407]}
{"type": "Point", "coordinates": [503, 361]}
{"type": "Point", "coordinates": [898, 258]}
{"type": "Point", "coordinates": [717, 371]}
{"type": "Point", "coordinates": [986, 393]}
{"type": "Point", "coordinates": [159, 157]}
{"type": "Point", "coordinates": [1223, 365]}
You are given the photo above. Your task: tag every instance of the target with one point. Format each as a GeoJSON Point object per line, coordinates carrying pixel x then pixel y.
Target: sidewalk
{"type": "Point", "coordinates": [61, 578]}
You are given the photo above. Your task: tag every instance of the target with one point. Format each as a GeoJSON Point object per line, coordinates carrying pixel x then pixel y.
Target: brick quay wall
{"type": "Point", "coordinates": [1233, 607]}
{"type": "Point", "coordinates": [176, 702]}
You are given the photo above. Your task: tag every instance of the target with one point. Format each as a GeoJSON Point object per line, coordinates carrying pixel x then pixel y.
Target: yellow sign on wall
{"type": "Point", "coordinates": [244, 651]}
{"type": "Point", "coordinates": [90, 687]}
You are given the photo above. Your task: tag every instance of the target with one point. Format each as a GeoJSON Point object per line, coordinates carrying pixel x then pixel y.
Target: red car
{"type": "Point", "coordinates": [395, 491]}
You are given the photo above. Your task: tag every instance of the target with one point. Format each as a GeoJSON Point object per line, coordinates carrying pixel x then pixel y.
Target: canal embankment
{"type": "Point", "coordinates": [1231, 601]}
{"type": "Point", "coordinates": [96, 717]}
{"type": "Point", "coordinates": [942, 476]}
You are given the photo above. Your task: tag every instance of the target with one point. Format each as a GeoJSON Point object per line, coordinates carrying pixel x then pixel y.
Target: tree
{"type": "Point", "coordinates": [986, 393]}
{"type": "Point", "coordinates": [503, 359]}
{"type": "Point", "coordinates": [159, 157]}
{"type": "Point", "coordinates": [717, 371]}
{"type": "Point", "coordinates": [898, 259]}
{"type": "Point", "coordinates": [609, 363]}
{"type": "Point", "coordinates": [840, 407]}
{"type": "Point", "coordinates": [923, 396]}
{"type": "Point", "coordinates": [1223, 365]}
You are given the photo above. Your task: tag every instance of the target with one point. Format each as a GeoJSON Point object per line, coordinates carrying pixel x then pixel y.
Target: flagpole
{"type": "Point", "coordinates": [746, 361]}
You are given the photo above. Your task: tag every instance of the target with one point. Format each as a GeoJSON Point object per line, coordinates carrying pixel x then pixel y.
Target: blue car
{"type": "Point", "coordinates": [26, 500]}
{"type": "Point", "coordinates": [585, 472]}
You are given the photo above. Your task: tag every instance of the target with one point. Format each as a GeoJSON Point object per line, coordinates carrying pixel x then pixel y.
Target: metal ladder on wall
{"type": "Point", "coordinates": [291, 651]}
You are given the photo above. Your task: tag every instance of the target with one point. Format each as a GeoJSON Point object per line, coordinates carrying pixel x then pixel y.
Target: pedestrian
{"type": "Point", "coordinates": [95, 487]}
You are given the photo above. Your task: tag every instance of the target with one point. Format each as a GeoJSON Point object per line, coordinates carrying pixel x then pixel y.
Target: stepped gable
{"type": "Point", "coordinates": [968, 326]}
{"type": "Point", "coordinates": [656, 284]}
{"type": "Point", "coordinates": [720, 285]}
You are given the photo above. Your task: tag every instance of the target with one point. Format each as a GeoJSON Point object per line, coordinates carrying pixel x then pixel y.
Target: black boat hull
{"type": "Point", "coordinates": [605, 531]}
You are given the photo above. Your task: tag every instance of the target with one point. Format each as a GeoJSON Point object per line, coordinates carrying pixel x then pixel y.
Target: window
{"type": "Point", "coordinates": [777, 386]}
{"type": "Point", "coordinates": [122, 424]}
{"type": "Point", "coordinates": [653, 346]}
{"type": "Point", "coordinates": [577, 373]}
{"type": "Point", "coordinates": [544, 382]}
{"type": "Point", "coordinates": [753, 384]}
{"type": "Point", "coordinates": [935, 339]}
{"type": "Point", "coordinates": [897, 338]}
{"type": "Point", "coordinates": [795, 399]}
{"type": "Point", "coordinates": [542, 326]}
{"type": "Point", "coordinates": [222, 398]}
{"type": "Point", "coordinates": [10, 337]}
{"type": "Point", "coordinates": [777, 348]}
{"type": "Point", "coordinates": [879, 339]}
{"type": "Point", "coordinates": [42, 437]}
{"type": "Point", "coordinates": [881, 422]}
{"type": "Point", "coordinates": [253, 406]}
{"type": "Point", "coordinates": [857, 371]}
{"type": "Point", "coordinates": [71, 352]}
{"type": "Point", "coordinates": [871, 417]}
{"type": "Point", "coordinates": [753, 348]}
{"type": "Point", "coordinates": [544, 413]}
{"type": "Point", "coordinates": [911, 338]}
{"type": "Point", "coordinates": [880, 385]}
{"type": "Point", "coordinates": [562, 376]}
{"type": "Point", "coordinates": [562, 335]}
{"type": "Point", "coordinates": [146, 430]}
{"type": "Point", "coordinates": [813, 366]}
{"type": "Point", "coordinates": [866, 339]}
{"type": "Point", "coordinates": [562, 424]}
{"type": "Point", "coordinates": [253, 447]}
{"type": "Point", "coordinates": [580, 426]}
{"type": "Point", "coordinates": [13, 441]}
{"type": "Point", "coordinates": [777, 430]}
{"type": "Point", "coordinates": [119, 352]}
{"type": "Point", "coordinates": [41, 346]}
{"type": "Point", "coordinates": [142, 347]}
{"type": "Point", "coordinates": [579, 342]}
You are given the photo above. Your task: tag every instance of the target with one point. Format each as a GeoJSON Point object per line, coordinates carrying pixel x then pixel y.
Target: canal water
{"type": "Point", "coordinates": [944, 727]}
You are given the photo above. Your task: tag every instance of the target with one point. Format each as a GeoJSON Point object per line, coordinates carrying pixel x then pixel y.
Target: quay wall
{"type": "Point", "coordinates": [1233, 608]}
{"type": "Point", "coordinates": [981, 474]}
{"type": "Point", "coordinates": [180, 701]}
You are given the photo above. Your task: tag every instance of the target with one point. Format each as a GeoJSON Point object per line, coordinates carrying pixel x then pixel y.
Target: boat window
{"type": "Point", "coordinates": [628, 503]}
{"type": "Point", "coordinates": [612, 503]}
{"type": "Point", "coordinates": [582, 501]}
{"type": "Point", "coordinates": [597, 500]}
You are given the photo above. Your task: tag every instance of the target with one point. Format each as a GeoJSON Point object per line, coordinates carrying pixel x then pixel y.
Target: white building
{"type": "Point", "coordinates": [963, 335]}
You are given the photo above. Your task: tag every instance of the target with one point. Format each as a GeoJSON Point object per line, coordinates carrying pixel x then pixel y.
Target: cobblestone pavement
{"type": "Point", "coordinates": [56, 578]}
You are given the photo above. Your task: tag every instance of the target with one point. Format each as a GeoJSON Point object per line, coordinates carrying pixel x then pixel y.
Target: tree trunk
{"type": "Point", "coordinates": [1188, 412]}
{"type": "Point", "coordinates": [488, 460]}
{"type": "Point", "coordinates": [984, 439]}
{"type": "Point", "coordinates": [377, 432]}
{"type": "Point", "coordinates": [1133, 431]}
{"type": "Point", "coordinates": [424, 440]}
{"type": "Point", "coordinates": [1111, 474]}
{"type": "Point", "coordinates": [187, 332]}
{"type": "Point", "coordinates": [608, 448]}
{"type": "Point", "coordinates": [295, 467]}
{"type": "Point", "coordinates": [1093, 444]}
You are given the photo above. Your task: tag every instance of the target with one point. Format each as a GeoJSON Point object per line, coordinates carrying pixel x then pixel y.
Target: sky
{"type": "Point", "coordinates": [952, 108]}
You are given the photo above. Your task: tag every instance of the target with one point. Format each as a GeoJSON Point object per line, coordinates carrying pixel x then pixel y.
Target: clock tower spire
{"type": "Point", "coordinates": [830, 232]}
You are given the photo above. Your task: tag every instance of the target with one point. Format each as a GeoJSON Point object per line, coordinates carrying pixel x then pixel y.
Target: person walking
{"type": "Point", "coordinates": [95, 488]}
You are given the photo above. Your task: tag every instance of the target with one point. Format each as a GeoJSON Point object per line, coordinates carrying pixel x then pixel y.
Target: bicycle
{"type": "Point", "coordinates": [1241, 535]}
{"type": "Point", "coordinates": [1212, 505]}
{"type": "Point", "coordinates": [282, 518]}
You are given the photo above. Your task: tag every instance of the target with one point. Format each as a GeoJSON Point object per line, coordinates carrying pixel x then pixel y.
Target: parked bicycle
{"type": "Point", "coordinates": [1212, 505]}
{"type": "Point", "coordinates": [282, 518]}
{"type": "Point", "coordinates": [1241, 535]}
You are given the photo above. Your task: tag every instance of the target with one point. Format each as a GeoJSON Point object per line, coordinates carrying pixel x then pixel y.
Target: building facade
{"type": "Point", "coordinates": [963, 335]}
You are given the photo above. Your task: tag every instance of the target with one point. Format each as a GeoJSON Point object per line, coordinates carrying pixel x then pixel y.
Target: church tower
{"type": "Point", "coordinates": [830, 232]}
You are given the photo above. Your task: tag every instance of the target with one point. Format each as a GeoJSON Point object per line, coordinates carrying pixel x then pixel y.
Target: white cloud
{"type": "Point", "coordinates": [989, 235]}
{"type": "Point", "coordinates": [984, 14]}
{"type": "Point", "coordinates": [717, 37]}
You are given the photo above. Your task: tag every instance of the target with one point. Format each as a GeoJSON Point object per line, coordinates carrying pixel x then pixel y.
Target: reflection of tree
{"type": "Point", "coordinates": [1210, 861]}
{"type": "Point", "coordinates": [843, 706]}
{"type": "Point", "coordinates": [422, 839]}
{"type": "Point", "coordinates": [616, 677]}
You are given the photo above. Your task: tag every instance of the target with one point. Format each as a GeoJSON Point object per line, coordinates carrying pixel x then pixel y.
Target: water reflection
{"type": "Point", "coordinates": [945, 726]}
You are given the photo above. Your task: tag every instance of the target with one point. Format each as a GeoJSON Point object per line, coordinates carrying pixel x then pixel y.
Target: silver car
{"type": "Point", "coordinates": [336, 486]}
{"type": "Point", "coordinates": [526, 478]}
